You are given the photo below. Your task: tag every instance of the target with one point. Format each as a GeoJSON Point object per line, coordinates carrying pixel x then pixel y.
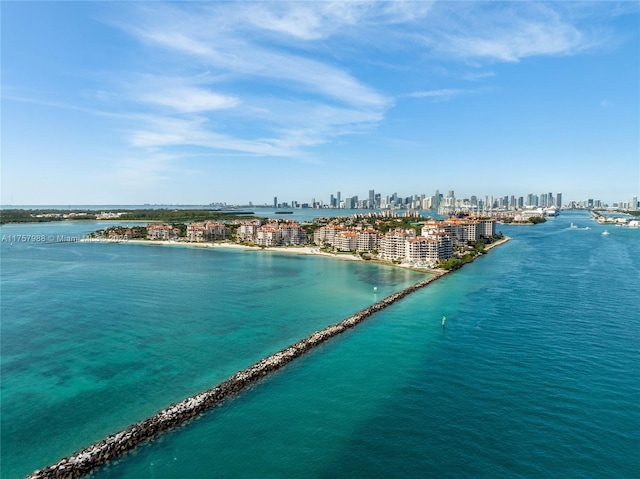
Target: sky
{"type": "Point", "coordinates": [199, 102]}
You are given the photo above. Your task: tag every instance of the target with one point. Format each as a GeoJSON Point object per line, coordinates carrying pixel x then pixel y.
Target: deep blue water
{"type": "Point", "coordinates": [537, 373]}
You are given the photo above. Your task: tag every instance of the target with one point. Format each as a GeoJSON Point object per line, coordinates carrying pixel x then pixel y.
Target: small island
{"type": "Point", "coordinates": [617, 217]}
{"type": "Point", "coordinates": [407, 240]}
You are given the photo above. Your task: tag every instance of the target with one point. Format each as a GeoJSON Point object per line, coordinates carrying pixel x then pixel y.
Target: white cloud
{"type": "Point", "coordinates": [505, 32]}
{"type": "Point", "coordinates": [443, 94]}
{"type": "Point", "coordinates": [478, 75]}
{"type": "Point", "coordinates": [279, 128]}
{"type": "Point", "coordinates": [274, 85]}
{"type": "Point", "coordinates": [186, 99]}
{"type": "Point", "coordinates": [320, 20]}
{"type": "Point", "coordinates": [168, 132]}
{"type": "Point", "coordinates": [288, 100]}
{"type": "Point", "coordinates": [255, 62]}
{"type": "Point", "coordinates": [523, 39]}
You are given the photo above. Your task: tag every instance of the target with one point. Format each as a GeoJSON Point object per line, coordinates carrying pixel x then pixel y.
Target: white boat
{"type": "Point", "coordinates": [605, 232]}
{"type": "Point", "coordinates": [573, 227]}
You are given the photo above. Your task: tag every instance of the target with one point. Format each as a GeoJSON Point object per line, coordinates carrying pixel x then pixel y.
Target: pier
{"type": "Point", "coordinates": [118, 444]}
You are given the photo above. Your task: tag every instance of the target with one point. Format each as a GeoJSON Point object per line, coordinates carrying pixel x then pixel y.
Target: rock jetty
{"type": "Point", "coordinates": [116, 445]}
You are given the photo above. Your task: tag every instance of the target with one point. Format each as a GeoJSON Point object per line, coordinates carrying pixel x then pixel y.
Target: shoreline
{"type": "Point", "coordinates": [306, 250]}
{"type": "Point", "coordinates": [178, 414]}
{"type": "Point", "coordinates": [501, 241]}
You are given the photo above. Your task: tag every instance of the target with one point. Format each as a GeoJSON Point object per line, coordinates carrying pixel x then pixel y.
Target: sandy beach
{"type": "Point", "coordinates": [308, 250]}
{"type": "Point", "coordinates": [300, 250]}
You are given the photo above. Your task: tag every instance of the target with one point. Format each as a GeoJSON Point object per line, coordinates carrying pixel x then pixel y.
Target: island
{"type": "Point", "coordinates": [407, 240]}
{"type": "Point", "coordinates": [617, 217]}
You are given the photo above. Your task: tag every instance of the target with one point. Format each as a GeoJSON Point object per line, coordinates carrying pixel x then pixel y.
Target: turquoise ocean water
{"type": "Point", "coordinates": [537, 373]}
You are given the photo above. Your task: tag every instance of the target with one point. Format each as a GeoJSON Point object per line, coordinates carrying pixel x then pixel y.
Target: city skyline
{"type": "Point", "coordinates": [194, 103]}
{"type": "Point", "coordinates": [378, 200]}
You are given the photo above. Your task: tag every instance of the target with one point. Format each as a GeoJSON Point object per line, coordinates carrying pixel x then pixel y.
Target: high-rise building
{"type": "Point", "coordinates": [543, 201]}
{"type": "Point", "coordinates": [338, 200]}
{"type": "Point", "coordinates": [372, 198]}
{"type": "Point", "coordinates": [559, 200]}
{"type": "Point", "coordinates": [488, 202]}
{"type": "Point", "coordinates": [275, 201]}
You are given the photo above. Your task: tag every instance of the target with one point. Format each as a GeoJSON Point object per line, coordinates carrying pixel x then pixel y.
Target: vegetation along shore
{"type": "Point", "coordinates": [409, 240]}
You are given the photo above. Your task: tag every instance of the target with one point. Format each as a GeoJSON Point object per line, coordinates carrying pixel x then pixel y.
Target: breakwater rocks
{"type": "Point", "coordinates": [118, 444]}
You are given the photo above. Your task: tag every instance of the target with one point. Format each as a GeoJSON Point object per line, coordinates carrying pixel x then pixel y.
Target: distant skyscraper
{"type": "Point", "coordinates": [543, 200]}
{"type": "Point", "coordinates": [338, 200]}
{"type": "Point", "coordinates": [275, 201]}
{"type": "Point", "coordinates": [558, 200]}
{"type": "Point", "coordinates": [372, 198]}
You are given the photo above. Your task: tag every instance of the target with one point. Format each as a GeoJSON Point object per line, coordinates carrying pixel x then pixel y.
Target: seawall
{"type": "Point", "coordinates": [118, 444]}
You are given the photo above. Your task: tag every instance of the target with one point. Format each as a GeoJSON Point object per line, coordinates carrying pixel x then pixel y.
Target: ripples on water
{"type": "Point", "coordinates": [535, 374]}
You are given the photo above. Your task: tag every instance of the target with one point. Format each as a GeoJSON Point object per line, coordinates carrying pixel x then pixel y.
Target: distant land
{"type": "Point", "coordinates": [169, 215]}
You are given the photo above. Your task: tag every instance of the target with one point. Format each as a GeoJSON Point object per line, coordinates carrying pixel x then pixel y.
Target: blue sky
{"type": "Point", "coordinates": [196, 102]}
